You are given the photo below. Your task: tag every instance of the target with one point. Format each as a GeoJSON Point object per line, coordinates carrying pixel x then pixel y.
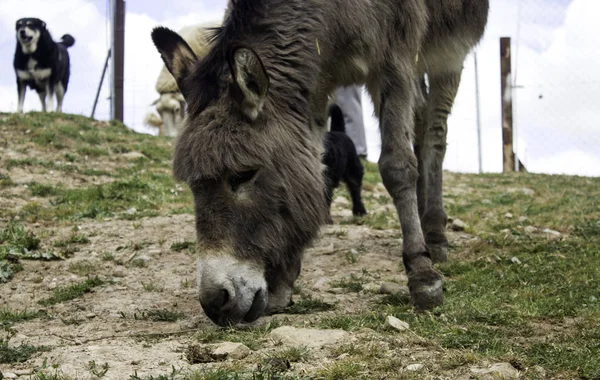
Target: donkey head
{"type": "Point", "coordinates": [256, 175]}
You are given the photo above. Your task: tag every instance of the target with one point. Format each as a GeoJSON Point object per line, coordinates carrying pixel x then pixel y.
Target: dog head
{"type": "Point", "coordinates": [29, 31]}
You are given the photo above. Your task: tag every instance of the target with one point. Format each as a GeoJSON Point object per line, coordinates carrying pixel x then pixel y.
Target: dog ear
{"type": "Point", "coordinates": [250, 78]}
{"type": "Point", "coordinates": [175, 53]}
{"type": "Point", "coordinates": [43, 25]}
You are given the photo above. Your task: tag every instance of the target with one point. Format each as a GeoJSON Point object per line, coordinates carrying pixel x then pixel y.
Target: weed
{"type": "Point", "coordinates": [71, 292]}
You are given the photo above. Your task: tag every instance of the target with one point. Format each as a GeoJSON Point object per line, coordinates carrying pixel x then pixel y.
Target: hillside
{"type": "Point", "coordinates": [97, 274]}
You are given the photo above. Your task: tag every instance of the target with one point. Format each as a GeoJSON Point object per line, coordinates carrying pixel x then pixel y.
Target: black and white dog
{"type": "Point", "coordinates": [342, 162]}
{"type": "Point", "coordinates": [41, 63]}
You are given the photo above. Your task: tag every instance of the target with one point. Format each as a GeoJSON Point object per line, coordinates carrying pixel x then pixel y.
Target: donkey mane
{"type": "Point", "coordinates": [286, 49]}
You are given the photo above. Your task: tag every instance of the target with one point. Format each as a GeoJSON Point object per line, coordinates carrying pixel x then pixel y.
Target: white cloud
{"type": "Point", "coordinates": [557, 59]}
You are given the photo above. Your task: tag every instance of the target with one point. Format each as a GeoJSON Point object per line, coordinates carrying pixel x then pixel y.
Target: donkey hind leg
{"type": "Point", "coordinates": [443, 89]}
{"type": "Point", "coordinates": [420, 125]}
{"type": "Point", "coordinates": [398, 168]}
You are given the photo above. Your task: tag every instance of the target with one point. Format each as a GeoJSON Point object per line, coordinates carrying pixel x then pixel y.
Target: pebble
{"type": "Point", "coordinates": [9, 375]}
{"type": "Point", "coordinates": [522, 219]}
{"type": "Point", "coordinates": [131, 211]}
{"type": "Point", "coordinates": [313, 338]}
{"type": "Point", "coordinates": [530, 229]}
{"type": "Point", "coordinates": [496, 371]}
{"type": "Point", "coordinates": [515, 260]}
{"type": "Point", "coordinates": [235, 351]}
{"type": "Point", "coordinates": [119, 272]}
{"type": "Point", "coordinates": [458, 225]}
{"type": "Point", "coordinates": [414, 367]}
{"type": "Point", "coordinates": [394, 289]}
{"type": "Point", "coordinates": [508, 215]}
{"type": "Point", "coordinates": [397, 324]}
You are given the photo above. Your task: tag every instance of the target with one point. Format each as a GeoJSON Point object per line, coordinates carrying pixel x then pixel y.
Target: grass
{"type": "Point", "coordinates": [183, 245]}
{"type": "Point", "coordinates": [250, 337]}
{"type": "Point", "coordinates": [9, 316]}
{"type": "Point", "coordinates": [158, 315]}
{"type": "Point", "coordinates": [309, 305]}
{"type": "Point", "coordinates": [70, 292]}
{"type": "Point", "coordinates": [16, 354]}
{"type": "Point", "coordinates": [352, 284]}
{"type": "Point", "coordinates": [542, 309]}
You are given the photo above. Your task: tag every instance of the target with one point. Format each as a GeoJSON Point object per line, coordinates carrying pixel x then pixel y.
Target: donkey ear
{"type": "Point", "coordinates": [175, 53]}
{"type": "Point", "coordinates": [250, 77]}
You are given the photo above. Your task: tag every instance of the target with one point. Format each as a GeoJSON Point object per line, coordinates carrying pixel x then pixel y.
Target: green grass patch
{"type": "Point", "coordinates": [70, 292]}
{"type": "Point", "coordinates": [309, 305]}
{"type": "Point", "coordinates": [158, 315]}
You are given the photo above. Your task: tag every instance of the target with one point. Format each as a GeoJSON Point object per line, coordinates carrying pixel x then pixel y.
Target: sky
{"type": "Point", "coordinates": [555, 56]}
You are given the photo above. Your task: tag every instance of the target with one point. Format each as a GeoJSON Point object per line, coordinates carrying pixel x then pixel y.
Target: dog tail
{"type": "Point", "coordinates": [337, 119]}
{"type": "Point", "coordinates": [67, 40]}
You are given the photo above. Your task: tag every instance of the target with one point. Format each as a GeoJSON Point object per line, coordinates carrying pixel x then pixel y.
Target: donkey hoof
{"type": "Point", "coordinates": [439, 253]}
{"type": "Point", "coordinates": [426, 290]}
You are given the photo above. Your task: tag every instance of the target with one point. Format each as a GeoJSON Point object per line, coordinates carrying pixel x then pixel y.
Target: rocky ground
{"type": "Point", "coordinates": [98, 275]}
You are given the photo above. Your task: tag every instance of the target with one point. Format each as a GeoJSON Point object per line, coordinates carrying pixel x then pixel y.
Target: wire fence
{"type": "Point", "coordinates": [555, 77]}
{"type": "Point", "coordinates": [556, 113]}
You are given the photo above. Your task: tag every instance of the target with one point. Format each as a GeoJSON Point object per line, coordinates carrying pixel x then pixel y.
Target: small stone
{"type": "Point", "coordinates": [515, 260]}
{"type": "Point", "coordinates": [342, 356]}
{"type": "Point", "coordinates": [327, 250]}
{"type": "Point", "coordinates": [90, 315]}
{"type": "Point", "coordinates": [508, 215]}
{"type": "Point", "coordinates": [133, 155]}
{"type": "Point", "coordinates": [9, 375]}
{"type": "Point", "coordinates": [522, 219]}
{"type": "Point", "coordinates": [131, 211]}
{"type": "Point", "coordinates": [530, 229]}
{"type": "Point", "coordinates": [52, 285]}
{"type": "Point", "coordinates": [495, 371]}
{"type": "Point", "coordinates": [135, 362]}
{"type": "Point", "coordinates": [307, 337]}
{"type": "Point", "coordinates": [414, 367]}
{"type": "Point", "coordinates": [119, 272]}
{"type": "Point", "coordinates": [235, 351]}
{"type": "Point", "coordinates": [143, 259]}
{"type": "Point", "coordinates": [458, 225]}
{"type": "Point", "coordinates": [321, 283]}
{"type": "Point", "coordinates": [23, 372]}
{"type": "Point", "coordinates": [397, 324]}
{"type": "Point", "coordinates": [552, 234]}
{"type": "Point", "coordinates": [14, 287]}
{"type": "Point", "coordinates": [540, 371]}
{"type": "Point", "coordinates": [341, 201]}
{"type": "Point", "coordinates": [394, 289]}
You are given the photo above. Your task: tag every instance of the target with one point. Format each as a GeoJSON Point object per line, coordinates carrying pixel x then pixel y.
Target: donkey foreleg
{"type": "Point", "coordinates": [398, 168]}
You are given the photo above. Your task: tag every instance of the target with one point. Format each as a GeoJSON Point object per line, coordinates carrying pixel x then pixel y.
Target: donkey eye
{"type": "Point", "coordinates": [238, 179]}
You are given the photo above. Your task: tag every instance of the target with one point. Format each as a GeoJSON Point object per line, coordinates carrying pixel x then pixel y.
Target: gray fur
{"type": "Point", "coordinates": [307, 48]}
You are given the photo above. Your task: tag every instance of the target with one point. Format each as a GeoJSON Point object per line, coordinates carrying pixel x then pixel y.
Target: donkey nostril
{"type": "Point", "coordinates": [224, 297]}
{"type": "Point", "coordinates": [216, 299]}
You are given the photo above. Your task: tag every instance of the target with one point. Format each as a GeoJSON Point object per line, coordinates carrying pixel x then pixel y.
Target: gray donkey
{"type": "Point", "coordinates": [252, 142]}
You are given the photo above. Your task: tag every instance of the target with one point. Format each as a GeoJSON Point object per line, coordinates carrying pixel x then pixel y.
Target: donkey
{"type": "Point", "coordinates": [252, 143]}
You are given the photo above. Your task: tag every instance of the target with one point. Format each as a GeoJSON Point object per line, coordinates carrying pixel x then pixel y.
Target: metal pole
{"type": "Point", "coordinates": [477, 106]}
{"type": "Point", "coordinates": [118, 60]}
{"type": "Point", "coordinates": [100, 85]}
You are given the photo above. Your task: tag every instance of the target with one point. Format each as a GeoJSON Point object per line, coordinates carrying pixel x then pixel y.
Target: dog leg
{"type": "Point", "coordinates": [42, 96]}
{"type": "Point", "coordinates": [21, 87]}
{"type": "Point", "coordinates": [60, 95]}
{"type": "Point", "coordinates": [50, 97]}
